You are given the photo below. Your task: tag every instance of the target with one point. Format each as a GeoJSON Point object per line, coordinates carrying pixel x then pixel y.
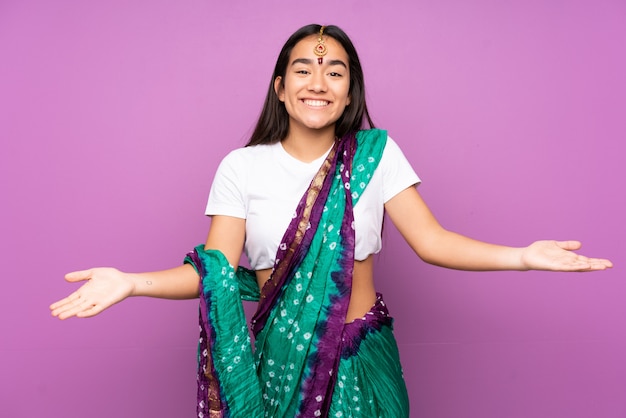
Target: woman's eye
{"type": "Point", "coordinates": [333, 74]}
{"type": "Point", "coordinates": [302, 72]}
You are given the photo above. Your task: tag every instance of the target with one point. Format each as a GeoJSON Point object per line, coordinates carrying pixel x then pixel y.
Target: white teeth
{"type": "Point", "coordinates": [316, 103]}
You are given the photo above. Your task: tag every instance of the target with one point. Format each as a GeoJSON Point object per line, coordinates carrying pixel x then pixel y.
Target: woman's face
{"type": "Point", "coordinates": [315, 95]}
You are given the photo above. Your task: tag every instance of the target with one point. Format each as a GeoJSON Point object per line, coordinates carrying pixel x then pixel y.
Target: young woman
{"type": "Point", "coordinates": [305, 200]}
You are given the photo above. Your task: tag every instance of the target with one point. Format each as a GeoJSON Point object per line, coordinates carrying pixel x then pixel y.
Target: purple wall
{"type": "Point", "coordinates": [114, 115]}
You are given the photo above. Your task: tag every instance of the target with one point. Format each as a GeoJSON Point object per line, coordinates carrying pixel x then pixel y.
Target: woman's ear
{"type": "Point", "coordinates": [279, 89]}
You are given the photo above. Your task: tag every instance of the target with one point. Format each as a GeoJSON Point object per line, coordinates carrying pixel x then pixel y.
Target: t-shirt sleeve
{"type": "Point", "coordinates": [227, 191]}
{"type": "Point", "coordinates": [397, 171]}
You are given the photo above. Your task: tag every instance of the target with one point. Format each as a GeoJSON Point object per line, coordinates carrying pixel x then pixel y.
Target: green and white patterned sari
{"type": "Point", "coordinates": [307, 361]}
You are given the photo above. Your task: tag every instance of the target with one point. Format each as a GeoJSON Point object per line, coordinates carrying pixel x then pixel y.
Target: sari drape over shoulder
{"type": "Point", "coordinates": [307, 362]}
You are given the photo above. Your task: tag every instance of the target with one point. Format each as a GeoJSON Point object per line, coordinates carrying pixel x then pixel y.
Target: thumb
{"type": "Point", "coordinates": [569, 245]}
{"type": "Point", "coordinates": [77, 276]}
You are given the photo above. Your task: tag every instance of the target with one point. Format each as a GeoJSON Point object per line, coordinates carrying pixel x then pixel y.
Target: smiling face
{"type": "Point", "coordinates": [315, 95]}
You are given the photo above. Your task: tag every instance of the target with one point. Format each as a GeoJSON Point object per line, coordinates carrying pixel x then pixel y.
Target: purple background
{"type": "Point", "coordinates": [114, 116]}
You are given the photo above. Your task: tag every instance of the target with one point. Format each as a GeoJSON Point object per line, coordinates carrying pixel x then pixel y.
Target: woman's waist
{"type": "Point", "coordinates": [363, 292]}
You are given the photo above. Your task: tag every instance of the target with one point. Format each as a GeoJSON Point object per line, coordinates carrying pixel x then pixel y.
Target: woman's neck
{"type": "Point", "coordinates": [307, 144]}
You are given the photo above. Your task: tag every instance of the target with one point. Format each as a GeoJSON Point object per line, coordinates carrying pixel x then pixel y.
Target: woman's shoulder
{"type": "Point", "coordinates": [382, 135]}
{"type": "Point", "coordinates": [371, 134]}
{"type": "Point", "coordinates": [253, 154]}
{"type": "Point", "coordinates": [376, 141]}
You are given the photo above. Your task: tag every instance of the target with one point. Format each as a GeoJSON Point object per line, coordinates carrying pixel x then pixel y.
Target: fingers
{"type": "Point", "coordinates": [581, 262]}
{"type": "Point", "coordinates": [89, 312]}
{"type": "Point", "coordinates": [599, 264]}
{"type": "Point", "coordinates": [77, 276]}
{"type": "Point", "coordinates": [569, 245]}
{"type": "Point", "coordinates": [593, 264]}
{"type": "Point", "coordinates": [63, 302]}
{"type": "Point", "coordinates": [74, 305]}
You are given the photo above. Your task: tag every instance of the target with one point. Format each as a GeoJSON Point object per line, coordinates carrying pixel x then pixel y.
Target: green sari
{"type": "Point", "coordinates": [307, 362]}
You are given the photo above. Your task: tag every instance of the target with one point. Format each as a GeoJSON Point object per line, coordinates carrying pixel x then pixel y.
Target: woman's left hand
{"type": "Point", "coordinates": [559, 256]}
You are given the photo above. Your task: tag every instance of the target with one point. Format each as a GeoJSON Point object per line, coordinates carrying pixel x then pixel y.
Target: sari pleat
{"type": "Point", "coordinates": [370, 383]}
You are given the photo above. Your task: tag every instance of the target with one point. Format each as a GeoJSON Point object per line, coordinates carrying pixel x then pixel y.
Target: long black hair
{"type": "Point", "coordinates": [273, 123]}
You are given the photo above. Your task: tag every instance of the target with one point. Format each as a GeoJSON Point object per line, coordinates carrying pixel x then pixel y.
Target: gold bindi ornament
{"type": "Point", "coordinates": [320, 49]}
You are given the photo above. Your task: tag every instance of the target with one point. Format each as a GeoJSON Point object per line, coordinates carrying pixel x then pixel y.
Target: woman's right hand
{"type": "Point", "coordinates": [103, 288]}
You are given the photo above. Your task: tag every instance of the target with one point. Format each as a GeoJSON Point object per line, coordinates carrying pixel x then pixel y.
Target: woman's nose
{"type": "Point", "coordinates": [317, 82]}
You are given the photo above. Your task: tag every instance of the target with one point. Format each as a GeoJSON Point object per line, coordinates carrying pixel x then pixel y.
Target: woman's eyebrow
{"type": "Point", "coordinates": [338, 62]}
{"type": "Point", "coordinates": [306, 61]}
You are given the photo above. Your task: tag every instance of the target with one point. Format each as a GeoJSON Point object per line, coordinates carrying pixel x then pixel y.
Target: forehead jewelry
{"type": "Point", "coordinates": [320, 49]}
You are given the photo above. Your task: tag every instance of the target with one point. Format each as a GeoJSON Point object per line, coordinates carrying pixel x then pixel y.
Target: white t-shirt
{"type": "Point", "coordinates": [263, 185]}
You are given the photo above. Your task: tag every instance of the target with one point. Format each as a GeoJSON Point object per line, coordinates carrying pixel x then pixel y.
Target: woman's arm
{"type": "Point", "coordinates": [105, 287]}
{"type": "Point", "coordinates": [438, 246]}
